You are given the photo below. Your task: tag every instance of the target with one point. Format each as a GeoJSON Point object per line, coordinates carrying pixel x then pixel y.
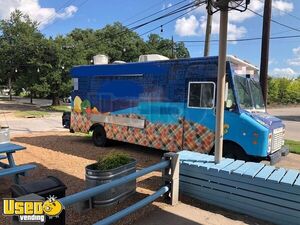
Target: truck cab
{"type": "Point", "coordinates": [259, 133]}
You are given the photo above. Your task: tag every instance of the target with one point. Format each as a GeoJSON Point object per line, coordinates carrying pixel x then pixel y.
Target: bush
{"type": "Point", "coordinates": [113, 160]}
{"type": "Point", "coordinates": [283, 91]}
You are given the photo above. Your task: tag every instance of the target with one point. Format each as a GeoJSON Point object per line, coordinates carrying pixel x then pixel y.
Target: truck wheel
{"type": "Point", "coordinates": [233, 151]}
{"type": "Point", "coordinates": [99, 136]}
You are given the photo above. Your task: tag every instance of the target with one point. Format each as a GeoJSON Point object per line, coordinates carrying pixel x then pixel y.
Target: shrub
{"type": "Point", "coordinates": [113, 160]}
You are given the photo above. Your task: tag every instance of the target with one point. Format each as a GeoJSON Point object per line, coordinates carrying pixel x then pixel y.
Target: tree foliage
{"type": "Point", "coordinates": [41, 65]}
{"type": "Point", "coordinates": [283, 91]}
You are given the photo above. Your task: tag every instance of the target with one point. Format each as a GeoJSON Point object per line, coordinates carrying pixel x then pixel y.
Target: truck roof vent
{"type": "Point", "coordinates": [100, 59]}
{"type": "Point", "coordinates": [152, 57]}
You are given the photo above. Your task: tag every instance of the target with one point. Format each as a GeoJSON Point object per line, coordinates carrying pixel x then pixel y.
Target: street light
{"type": "Point", "coordinates": [38, 70]}
{"type": "Point", "coordinates": [16, 70]}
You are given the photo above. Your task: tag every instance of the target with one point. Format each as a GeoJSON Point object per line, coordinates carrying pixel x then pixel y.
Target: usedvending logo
{"type": "Point", "coordinates": [32, 211]}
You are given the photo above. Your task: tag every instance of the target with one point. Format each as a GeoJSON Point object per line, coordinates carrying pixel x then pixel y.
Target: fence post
{"type": "Point", "coordinates": [171, 176]}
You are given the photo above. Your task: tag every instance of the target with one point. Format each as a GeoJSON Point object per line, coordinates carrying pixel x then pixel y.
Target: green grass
{"type": "Point", "coordinates": [31, 114]}
{"type": "Point", "coordinates": [58, 108]}
{"type": "Point", "coordinates": [294, 146]}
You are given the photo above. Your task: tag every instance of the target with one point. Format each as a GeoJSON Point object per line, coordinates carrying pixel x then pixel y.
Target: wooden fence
{"type": "Point", "coordinates": [265, 192]}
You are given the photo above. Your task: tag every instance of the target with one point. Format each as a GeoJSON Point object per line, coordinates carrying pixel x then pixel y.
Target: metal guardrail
{"type": "Point", "coordinates": [170, 167]}
{"type": "Point", "coordinates": [131, 209]}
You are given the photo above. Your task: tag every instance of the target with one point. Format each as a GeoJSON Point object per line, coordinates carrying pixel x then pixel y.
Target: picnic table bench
{"type": "Point", "coordinates": [11, 169]}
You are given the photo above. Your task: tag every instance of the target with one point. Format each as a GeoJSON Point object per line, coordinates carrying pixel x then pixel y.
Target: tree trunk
{"type": "Point", "coordinates": [9, 87]}
{"type": "Point", "coordinates": [31, 98]}
{"type": "Point", "coordinates": [55, 100]}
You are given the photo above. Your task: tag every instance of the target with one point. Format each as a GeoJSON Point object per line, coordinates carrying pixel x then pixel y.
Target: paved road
{"type": "Point", "coordinates": [291, 118]}
{"type": "Point", "coordinates": [29, 125]}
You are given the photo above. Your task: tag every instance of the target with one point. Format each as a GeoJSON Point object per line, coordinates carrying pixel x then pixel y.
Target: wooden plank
{"type": "Point", "coordinates": [237, 177]}
{"type": "Point", "coordinates": [236, 206]}
{"type": "Point", "coordinates": [246, 186]}
{"type": "Point", "coordinates": [254, 169]}
{"type": "Point", "coordinates": [233, 166]}
{"type": "Point", "coordinates": [2, 157]}
{"type": "Point", "coordinates": [239, 207]}
{"type": "Point", "coordinates": [197, 161]}
{"type": "Point", "coordinates": [192, 158]}
{"type": "Point", "coordinates": [247, 201]}
{"type": "Point", "coordinates": [217, 167]}
{"type": "Point", "coordinates": [241, 170]}
{"type": "Point", "coordinates": [243, 192]}
{"type": "Point", "coordinates": [290, 177]}
{"type": "Point", "coordinates": [277, 175]}
{"type": "Point", "coordinates": [297, 182]}
{"type": "Point", "coordinates": [9, 147]}
{"type": "Point", "coordinates": [265, 172]}
{"type": "Point", "coordinates": [16, 170]}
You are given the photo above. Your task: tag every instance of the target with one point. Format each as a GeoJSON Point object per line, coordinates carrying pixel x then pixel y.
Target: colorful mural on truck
{"type": "Point", "coordinates": [166, 136]}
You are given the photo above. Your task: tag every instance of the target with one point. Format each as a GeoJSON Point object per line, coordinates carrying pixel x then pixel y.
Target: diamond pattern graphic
{"type": "Point", "coordinates": [170, 137]}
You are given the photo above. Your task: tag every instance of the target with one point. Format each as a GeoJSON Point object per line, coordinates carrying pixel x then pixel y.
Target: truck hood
{"type": "Point", "coordinates": [267, 120]}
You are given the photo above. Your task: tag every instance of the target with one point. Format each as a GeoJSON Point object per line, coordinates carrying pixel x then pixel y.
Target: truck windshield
{"type": "Point", "coordinates": [249, 92]}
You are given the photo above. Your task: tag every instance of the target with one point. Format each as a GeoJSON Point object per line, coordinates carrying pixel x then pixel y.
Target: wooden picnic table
{"type": "Point", "coordinates": [11, 168]}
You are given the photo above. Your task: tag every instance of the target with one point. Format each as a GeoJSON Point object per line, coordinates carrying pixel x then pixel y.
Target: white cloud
{"type": "Point", "coordinates": [284, 72]}
{"type": "Point", "coordinates": [68, 12]}
{"type": "Point", "coordinates": [283, 6]}
{"type": "Point", "coordinates": [296, 51]}
{"type": "Point", "coordinates": [183, 26]}
{"type": "Point", "coordinates": [187, 26]}
{"type": "Point", "coordinates": [234, 31]}
{"type": "Point", "coordinates": [165, 6]}
{"type": "Point", "coordinates": [36, 12]}
{"type": "Point", "coordinates": [296, 60]}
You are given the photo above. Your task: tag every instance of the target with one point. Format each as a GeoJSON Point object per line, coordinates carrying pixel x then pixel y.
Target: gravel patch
{"type": "Point", "coordinates": [66, 155]}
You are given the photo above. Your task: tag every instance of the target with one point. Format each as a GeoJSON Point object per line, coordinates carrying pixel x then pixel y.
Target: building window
{"type": "Point", "coordinates": [201, 95]}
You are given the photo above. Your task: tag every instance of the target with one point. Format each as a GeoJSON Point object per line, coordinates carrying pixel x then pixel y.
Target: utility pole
{"type": "Point", "coordinates": [208, 31]}
{"type": "Point", "coordinates": [264, 60]}
{"type": "Point", "coordinates": [221, 85]}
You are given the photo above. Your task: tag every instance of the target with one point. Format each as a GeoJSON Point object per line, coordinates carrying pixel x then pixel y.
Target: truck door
{"type": "Point", "coordinates": [199, 122]}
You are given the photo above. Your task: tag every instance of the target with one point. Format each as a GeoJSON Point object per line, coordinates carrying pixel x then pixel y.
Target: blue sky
{"type": "Point", "coordinates": [61, 16]}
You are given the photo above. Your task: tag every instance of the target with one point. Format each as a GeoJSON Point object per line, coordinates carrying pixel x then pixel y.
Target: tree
{"type": "Point", "coordinates": [41, 65]}
{"type": "Point", "coordinates": [19, 43]}
{"type": "Point", "coordinates": [159, 45]}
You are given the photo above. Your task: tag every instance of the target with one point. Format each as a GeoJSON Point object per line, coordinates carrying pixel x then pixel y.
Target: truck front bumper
{"type": "Point", "coordinates": [276, 156]}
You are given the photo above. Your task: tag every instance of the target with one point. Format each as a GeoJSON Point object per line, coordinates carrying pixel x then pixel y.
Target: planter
{"type": "Point", "coordinates": [95, 177]}
{"type": "Point", "coordinates": [4, 135]}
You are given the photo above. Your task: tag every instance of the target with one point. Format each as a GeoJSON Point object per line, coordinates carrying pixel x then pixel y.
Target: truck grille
{"type": "Point", "coordinates": [277, 139]}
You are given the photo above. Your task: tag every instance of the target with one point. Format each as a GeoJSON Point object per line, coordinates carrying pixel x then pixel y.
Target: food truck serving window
{"type": "Point", "coordinates": [201, 95]}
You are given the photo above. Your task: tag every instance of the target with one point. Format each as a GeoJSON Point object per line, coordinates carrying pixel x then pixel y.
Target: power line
{"type": "Point", "coordinates": [153, 14]}
{"type": "Point", "coordinates": [289, 14]}
{"type": "Point", "coordinates": [143, 11]}
{"type": "Point", "coordinates": [180, 9]}
{"type": "Point", "coordinates": [170, 21]}
{"type": "Point", "coordinates": [58, 10]}
{"type": "Point", "coordinates": [246, 39]}
{"type": "Point", "coordinates": [274, 21]}
{"type": "Point", "coordinates": [80, 5]}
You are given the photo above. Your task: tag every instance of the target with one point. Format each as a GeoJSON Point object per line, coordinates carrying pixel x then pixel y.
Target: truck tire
{"type": "Point", "coordinates": [233, 151]}
{"type": "Point", "coordinates": [99, 136]}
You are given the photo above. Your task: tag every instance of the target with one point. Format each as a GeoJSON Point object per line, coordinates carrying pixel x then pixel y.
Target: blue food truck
{"type": "Point", "coordinates": [170, 105]}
